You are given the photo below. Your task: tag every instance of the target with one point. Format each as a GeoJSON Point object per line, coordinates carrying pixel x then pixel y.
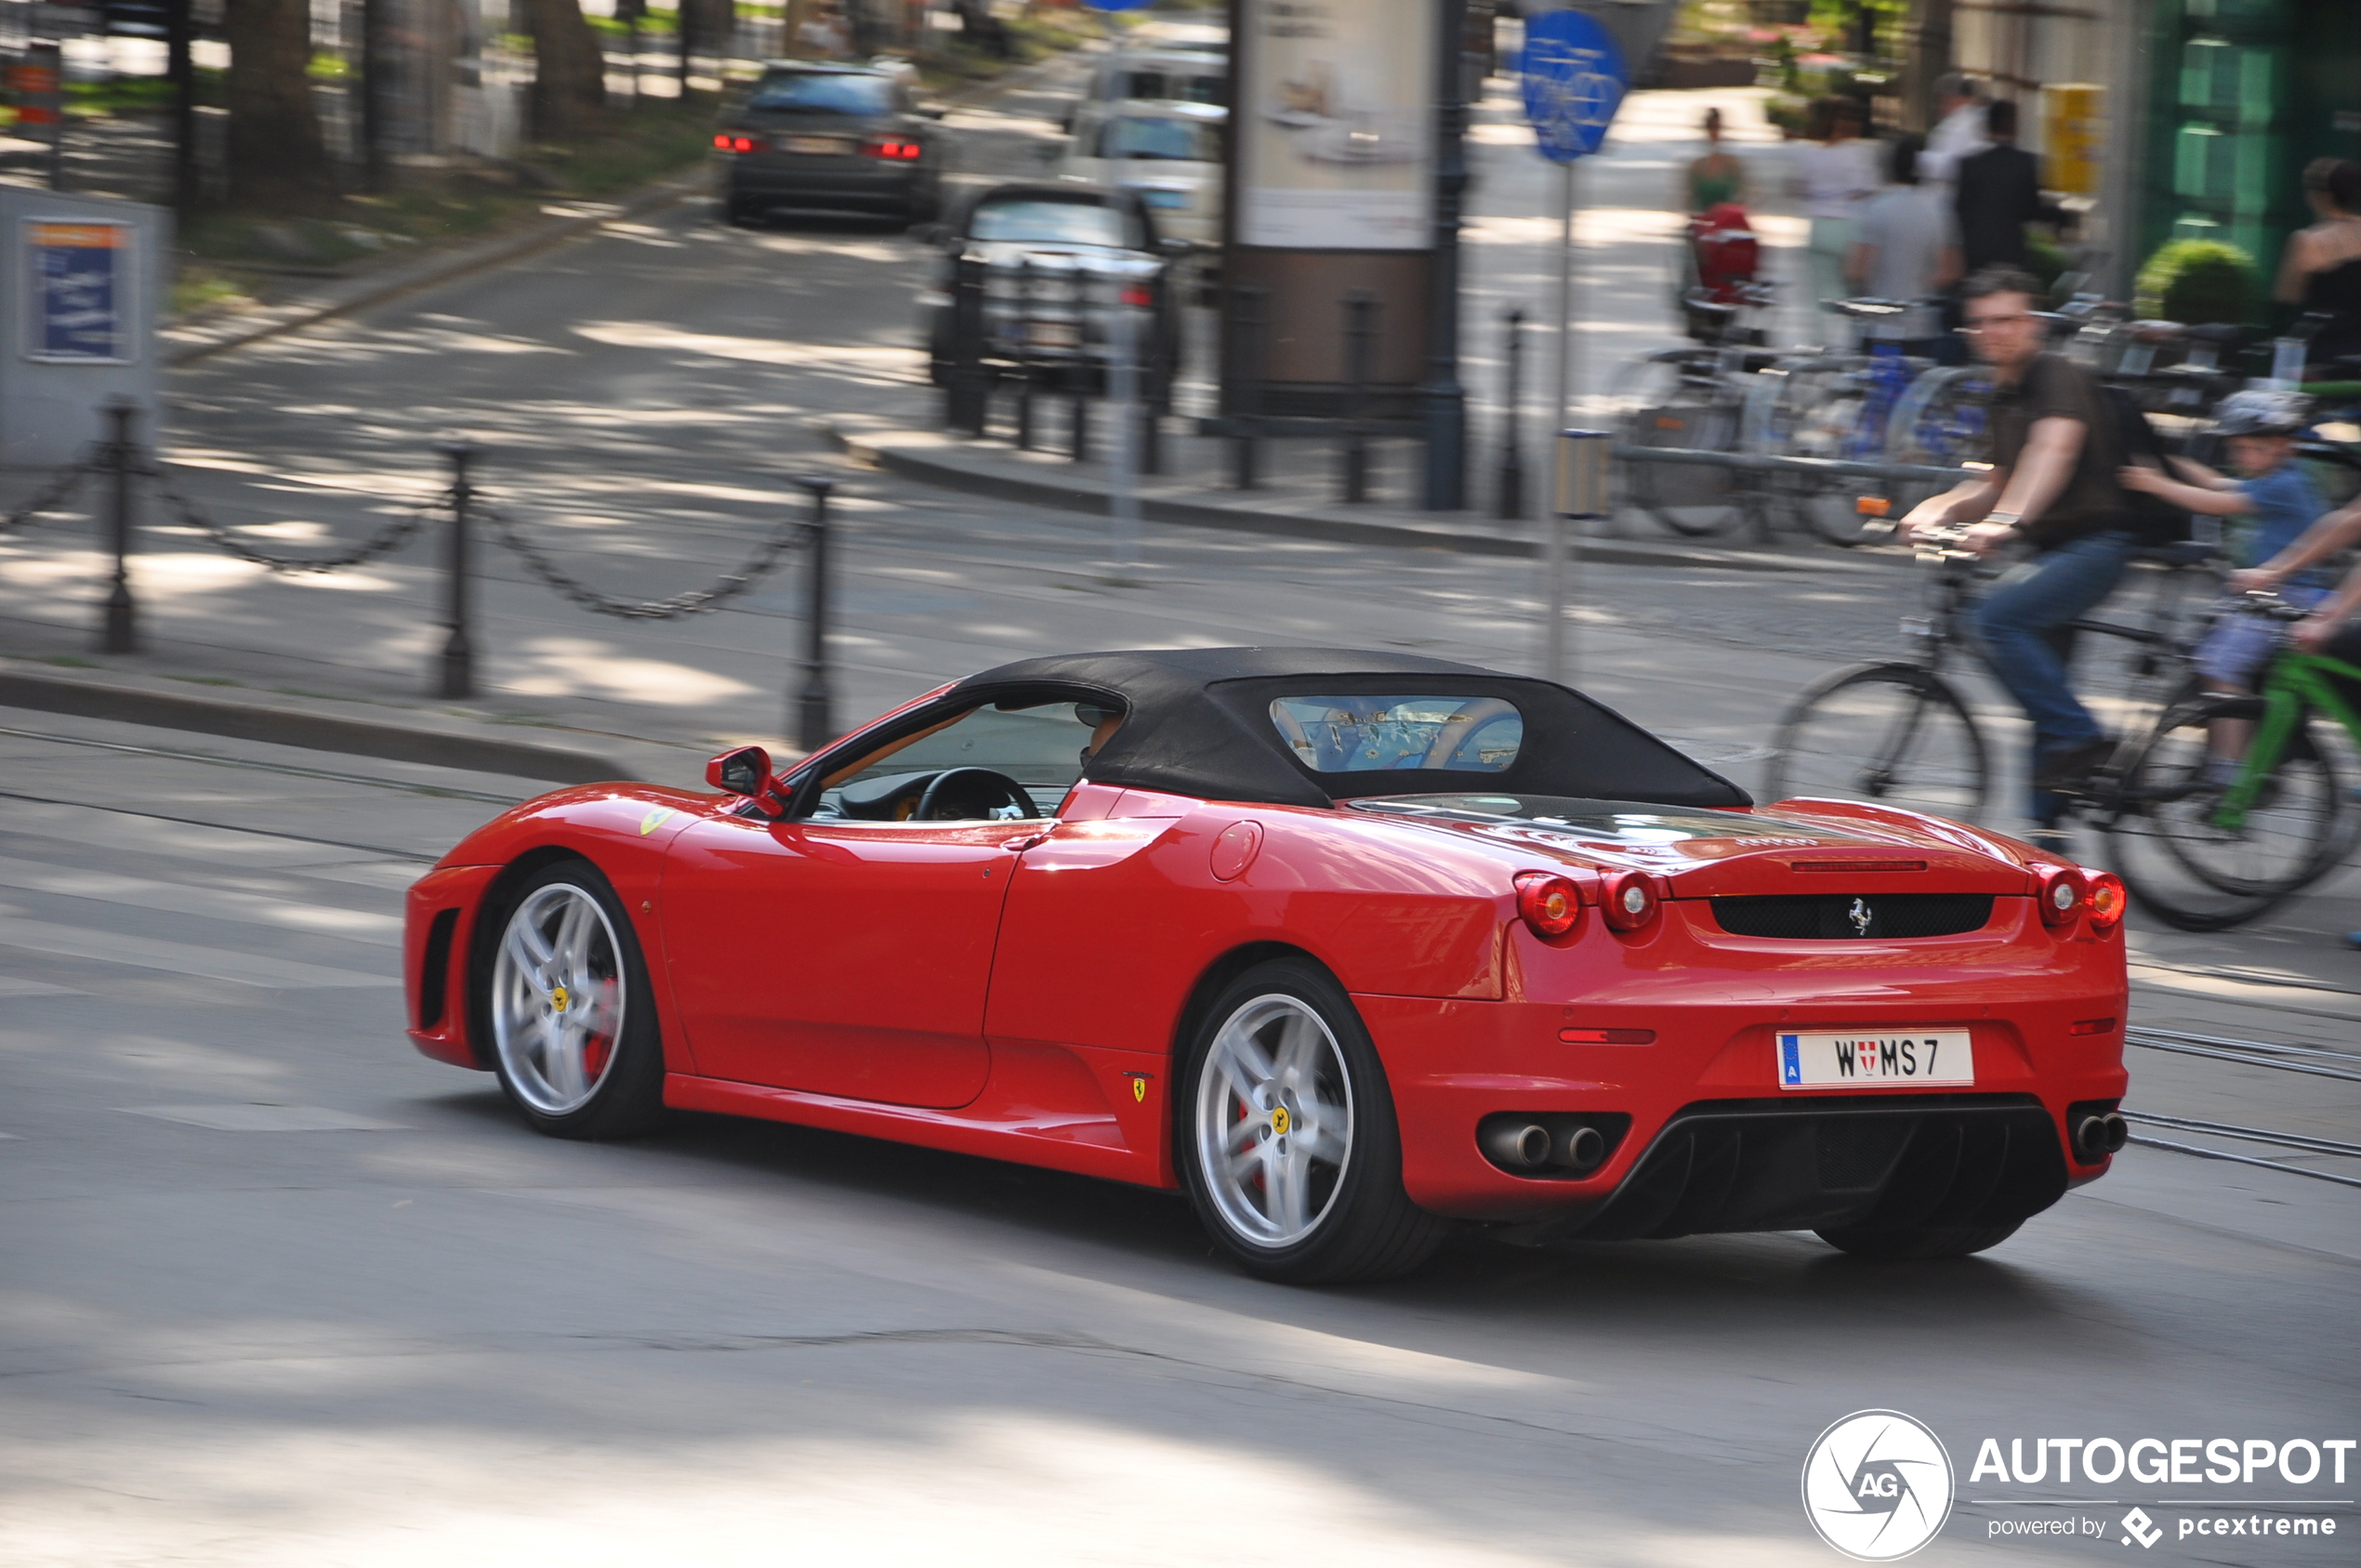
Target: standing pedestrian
{"type": "Point", "coordinates": [2321, 268]}
{"type": "Point", "coordinates": [1836, 172]}
{"type": "Point", "coordinates": [1907, 249]}
{"type": "Point", "coordinates": [1718, 176]}
{"type": "Point", "coordinates": [1997, 194]}
{"type": "Point", "coordinates": [1959, 131]}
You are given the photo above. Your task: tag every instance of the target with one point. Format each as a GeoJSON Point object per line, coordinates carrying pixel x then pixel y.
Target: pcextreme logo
{"type": "Point", "coordinates": [1878, 1485]}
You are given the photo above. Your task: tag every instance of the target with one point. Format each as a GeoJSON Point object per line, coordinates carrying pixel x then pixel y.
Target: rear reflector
{"type": "Point", "coordinates": [1873, 505]}
{"type": "Point", "coordinates": [2093, 1026]}
{"type": "Point", "coordinates": [1608, 1036]}
{"type": "Point", "coordinates": [1857, 866]}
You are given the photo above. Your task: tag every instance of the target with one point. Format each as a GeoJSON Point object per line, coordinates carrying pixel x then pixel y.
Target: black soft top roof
{"type": "Point", "coordinates": [1199, 723]}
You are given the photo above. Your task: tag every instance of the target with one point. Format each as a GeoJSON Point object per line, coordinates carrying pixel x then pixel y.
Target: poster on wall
{"type": "Point", "coordinates": [78, 292]}
{"type": "Point", "coordinates": [1334, 123]}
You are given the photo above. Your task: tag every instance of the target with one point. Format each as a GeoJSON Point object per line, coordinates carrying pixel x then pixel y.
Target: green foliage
{"type": "Point", "coordinates": [2197, 281]}
{"type": "Point", "coordinates": [2043, 258]}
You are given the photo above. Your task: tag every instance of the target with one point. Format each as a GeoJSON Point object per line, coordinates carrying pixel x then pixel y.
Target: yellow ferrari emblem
{"type": "Point", "coordinates": [1279, 1121]}
{"type": "Point", "coordinates": [558, 998]}
{"type": "Point", "coordinates": [1140, 1088]}
{"type": "Point", "coordinates": [653, 820]}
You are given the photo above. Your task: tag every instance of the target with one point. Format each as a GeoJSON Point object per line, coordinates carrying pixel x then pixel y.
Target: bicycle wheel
{"type": "Point", "coordinates": [1665, 404]}
{"type": "Point", "coordinates": [1894, 734]}
{"type": "Point", "coordinates": [1822, 411]}
{"type": "Point", "coordinates": [2193, 861]}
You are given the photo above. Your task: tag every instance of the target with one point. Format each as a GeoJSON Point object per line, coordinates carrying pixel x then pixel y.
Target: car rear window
{"type": "Point", "coordinates": [1170, 85]}
{"type": "Point", "coordinates": [823, 92]}
{"type": "Point", "coordinates": [1143, 136]}
{"type": "Point", "coordinates": [1048, 222]}
{"type": "Point", "coordinates": [1360, 734]}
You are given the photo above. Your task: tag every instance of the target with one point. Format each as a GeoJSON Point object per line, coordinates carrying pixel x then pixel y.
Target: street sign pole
{"type": "Point", "coordinates": [1574, 78]}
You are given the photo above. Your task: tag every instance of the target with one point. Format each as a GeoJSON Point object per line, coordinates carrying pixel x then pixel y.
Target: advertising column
{"type": "Point", "coordinates": [1332, 192]}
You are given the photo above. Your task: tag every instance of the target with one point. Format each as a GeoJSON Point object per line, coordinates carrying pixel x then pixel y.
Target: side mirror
{"type": "Point", "coordinates": [933, 110]}
{"type": "Point", "coordinates": [747, 771]}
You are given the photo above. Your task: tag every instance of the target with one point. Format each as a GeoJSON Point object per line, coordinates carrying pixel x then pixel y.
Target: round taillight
{"type": "Point", "coordinates": [2060, 891]}
{"type": "Point", "coordinates": [1628, 901]}
{"type": "Point", "coordinates": [1551, 905]}
{"type": "Point", "coordinates": [2106, 900]}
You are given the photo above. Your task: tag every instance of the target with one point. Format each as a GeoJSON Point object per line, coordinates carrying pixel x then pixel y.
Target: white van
{"type": "Point", "coordinates": [1167, 153]}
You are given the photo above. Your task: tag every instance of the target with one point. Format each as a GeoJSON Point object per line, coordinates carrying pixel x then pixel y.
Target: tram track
{"type": "Point", "coordinates": [2310, 1059]}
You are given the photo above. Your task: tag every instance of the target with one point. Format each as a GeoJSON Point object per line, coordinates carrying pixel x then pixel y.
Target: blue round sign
{"type": "Point", "coordinates": [1575, 79]}
{"type": "Point", "coordinates": [1115, 5]}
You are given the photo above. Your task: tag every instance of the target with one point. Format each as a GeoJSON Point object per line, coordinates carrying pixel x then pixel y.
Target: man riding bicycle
{"type": "Point", "coordinates": [2053, 491]}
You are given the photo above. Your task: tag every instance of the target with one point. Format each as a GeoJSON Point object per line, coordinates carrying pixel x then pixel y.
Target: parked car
{"type": "Point", "coordinates": [1049, 237]}
{"type": "Point", "coordinates": [819, 138]}
{"type": "Point", "coordinates": [1174, 74]}
{"type": "Point", "coordinates": [1351, 947]}
{"type": "Point", "coordinates": [1170, 153]}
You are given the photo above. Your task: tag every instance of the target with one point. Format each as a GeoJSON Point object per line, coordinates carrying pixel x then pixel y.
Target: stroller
{"type": "Point", "coordinates": [1719, 282]}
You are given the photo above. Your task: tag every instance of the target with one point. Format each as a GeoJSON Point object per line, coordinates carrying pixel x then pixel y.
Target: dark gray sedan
{"type": "Point", "coordinates": [819, 138]}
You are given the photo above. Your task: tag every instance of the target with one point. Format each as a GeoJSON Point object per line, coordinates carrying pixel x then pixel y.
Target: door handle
{"type": "Point", "coordinates": [1016, 846]}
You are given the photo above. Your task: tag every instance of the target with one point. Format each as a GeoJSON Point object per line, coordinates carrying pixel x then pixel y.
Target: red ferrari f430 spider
{"type": "Point", "coordinates": [1351, 947]}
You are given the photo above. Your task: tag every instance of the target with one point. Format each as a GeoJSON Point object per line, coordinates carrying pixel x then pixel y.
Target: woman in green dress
{"type": "Point", "coordinates": [1718, 176]}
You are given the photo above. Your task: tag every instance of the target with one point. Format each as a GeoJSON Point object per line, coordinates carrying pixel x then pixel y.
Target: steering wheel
{"type": "Point", "coordinates": [960, 786]}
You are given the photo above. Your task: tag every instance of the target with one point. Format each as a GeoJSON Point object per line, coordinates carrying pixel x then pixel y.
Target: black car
{"type": "Point", "coordinates": [1057, 257]}
{"type": "Point", "coordinates": [820, 138]}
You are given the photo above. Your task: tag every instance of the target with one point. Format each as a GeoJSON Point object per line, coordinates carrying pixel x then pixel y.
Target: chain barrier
{"type": "Point", "coordinates": [61, 487]}
{"type": "Point", "coordinates": [388, 539]}
{"type": "Point", "coordinates": [697, 602]}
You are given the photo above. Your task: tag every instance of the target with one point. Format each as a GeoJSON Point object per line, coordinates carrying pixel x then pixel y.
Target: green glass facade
{"type": "Point", "coordinates": [2244, 93]}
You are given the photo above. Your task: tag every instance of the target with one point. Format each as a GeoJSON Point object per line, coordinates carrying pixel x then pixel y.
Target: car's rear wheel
{"type": "Point", "coordinates": [739, 213]}
{"type": "Point", "coordinates": [1919, 1240]}
{"type": "Point", "coordinates": [1288, 1145]}
{"type": "Point", "coordinates": [566, 1007]}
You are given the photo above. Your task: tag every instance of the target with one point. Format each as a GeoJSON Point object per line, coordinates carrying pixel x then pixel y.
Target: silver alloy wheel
{"type": "Point", "coordinates": [558, 998]}
{"type": "Point", "coordinates": [1274, 1123]}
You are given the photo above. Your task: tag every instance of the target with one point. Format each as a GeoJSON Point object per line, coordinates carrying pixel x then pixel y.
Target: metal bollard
{"type": "Point", "coordinates": [1027, 370]}
{"type": "Point", "coordinates": [120, 631]}
{"type": "Point", "coordinates": [457, 674]}
{"type": "Point", "coordinates": [1247, 325]}
{"type": "Point", "coordinates": [1360, 334]}
{"type": "Point", "coordinates": [814, 726]}
{"type": "Point", "coordinates": [1510, 500]}
{"type": "Point", "coordinates": [1078, 372]}
{"type": "Point", "coordinates": [964, 399]}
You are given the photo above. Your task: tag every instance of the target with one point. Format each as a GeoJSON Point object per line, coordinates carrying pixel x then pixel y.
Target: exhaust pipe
{"type": "Point", "coordinates": [1517, 1145]}
{"type": "Point", "coordinates": [2097, 1136]}
{"type": "Point", "coordinates": [1578, 1149]}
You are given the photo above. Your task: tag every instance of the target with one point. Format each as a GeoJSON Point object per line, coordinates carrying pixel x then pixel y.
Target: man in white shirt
{"type": "Point", "coordinates": [1958, 132]}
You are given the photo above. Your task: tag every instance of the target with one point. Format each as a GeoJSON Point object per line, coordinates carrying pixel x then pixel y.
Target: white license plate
{"type": "Point", "coordinates": [1930, 1056]}
{"type": "Point", "coordinates": [818, 146]}
{"type": "Point", "coordinates": [1053, 335]}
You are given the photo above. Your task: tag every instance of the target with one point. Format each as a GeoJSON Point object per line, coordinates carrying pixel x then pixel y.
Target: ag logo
{"type": "Point", "coordinates": [1877, 1486]}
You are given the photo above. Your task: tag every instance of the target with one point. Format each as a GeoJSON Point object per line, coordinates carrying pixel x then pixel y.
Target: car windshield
{"type": "Point", "coordinates": [823, 92]}
{"type": "Point", "coordinates": [1359, 734]}
{"type": "Point", "coordinates": [1185, 88]}
{"type": "Point", "coordinates": [1039, 746]}
{"type": "Point", "coordinates": [1049, 221]}
{"type": "Point", "coordinates": [1144, 135]}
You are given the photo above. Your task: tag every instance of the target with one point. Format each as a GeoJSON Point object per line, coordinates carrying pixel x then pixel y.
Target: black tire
{"type": "Point", "coordinates": [626, 1098]}
{"type": "Point", "coordinates": [2180, 865]}
{"type": "Point", "coordinates": [1912, 1243]}
{"type": "Point", "coordinates": [1366, 1227]}
{"type": "Point", "coordinates": [1892, 734]}
{"type": "Point", "coordinates": [737, 212]}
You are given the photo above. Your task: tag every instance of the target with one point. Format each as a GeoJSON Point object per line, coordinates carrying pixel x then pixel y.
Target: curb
{"type": "Point", "coordinates": [310, 731]}
{"type": "Point", "coordinates": [910, 459]}
{"type": "Point", "coordinates": [548, 234]}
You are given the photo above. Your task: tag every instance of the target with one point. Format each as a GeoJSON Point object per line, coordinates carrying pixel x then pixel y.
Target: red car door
{"type": "Point", "coordinates": [839, 957]}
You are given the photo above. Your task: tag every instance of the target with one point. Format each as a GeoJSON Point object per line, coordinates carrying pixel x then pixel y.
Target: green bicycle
{"type": "Point", "coordinates": [2208, 835]}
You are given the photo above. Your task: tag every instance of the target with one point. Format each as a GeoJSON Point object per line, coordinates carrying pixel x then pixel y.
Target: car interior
{"type": "Point", "coordinates": [992, 763]}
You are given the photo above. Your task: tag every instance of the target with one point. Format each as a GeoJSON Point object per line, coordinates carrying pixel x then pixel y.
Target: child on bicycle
{"type": "Point", "coordinates": [2273, 506]}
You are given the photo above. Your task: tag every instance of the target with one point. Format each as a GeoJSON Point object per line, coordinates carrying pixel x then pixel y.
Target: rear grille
{"type": "Point", "coordinates": [1854, 917]}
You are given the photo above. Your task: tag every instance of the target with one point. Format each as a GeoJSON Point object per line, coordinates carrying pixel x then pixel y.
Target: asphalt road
{"type": "Point", "coordinates": [273, 1289]}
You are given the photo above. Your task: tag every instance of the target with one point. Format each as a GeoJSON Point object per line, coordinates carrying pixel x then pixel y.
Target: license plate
{"type": "Point", "coordinates": [817, 146]}
{"type": "Point", "coordinates": [1053, 335]}
{"type": "Point", "coordinates": [1931, 1056]}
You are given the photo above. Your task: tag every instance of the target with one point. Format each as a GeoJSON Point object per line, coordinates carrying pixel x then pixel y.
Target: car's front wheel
{"type": "Point", "coordinates": [566, 1007]}
{"type": "Point", "coordinates": [1288, 1143]}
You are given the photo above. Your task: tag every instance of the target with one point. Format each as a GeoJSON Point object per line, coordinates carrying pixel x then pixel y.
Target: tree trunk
{"type": "Point", "coordinates": [277, 157]}
{"type": "Point", "coordinates": [570, 72]}
{"type": "Point", "coordinates": [712, 26]}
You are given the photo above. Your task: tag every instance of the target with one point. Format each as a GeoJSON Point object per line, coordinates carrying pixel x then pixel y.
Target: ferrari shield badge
{"type": "Point", "coordinates": [1140, 1086]}
{"type": "Point", "coordinates": [653, 820]}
